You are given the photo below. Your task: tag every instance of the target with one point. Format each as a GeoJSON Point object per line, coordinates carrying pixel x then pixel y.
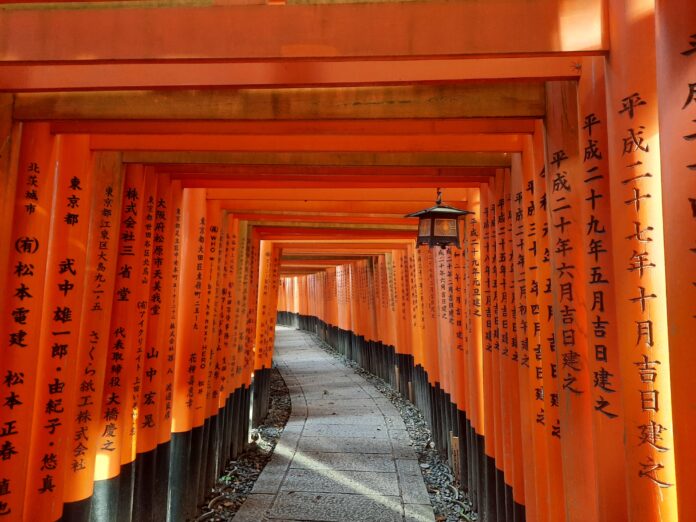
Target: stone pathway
{"type": "Point", "coordinates": [344, 454]}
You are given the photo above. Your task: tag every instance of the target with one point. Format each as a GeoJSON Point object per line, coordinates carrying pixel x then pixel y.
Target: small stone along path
{"type": "Point", "coordinates": [344, 454]}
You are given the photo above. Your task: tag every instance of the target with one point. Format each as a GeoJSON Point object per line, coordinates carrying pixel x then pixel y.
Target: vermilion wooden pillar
{"type": "Point", "coordinates": [267, 292]}
{"type": "Point", "coordinates": [120, 359]}
{"type": "Point", "coordinates": [528, 247]}
{"type": "Point", "coordinates": [639, 260]}
{"type": "Point", "coordinates": [489, 504]}
{"type": "Point", "coordinates": [22, 305]}
{"type": "Point", "coordinates": [676, 99]}
{"type": "Point", "coordinates": [501, 344]}
{"type": "Point", "coordinates": [188, 349]}
{"type": "Point", "coordinates": [604, 360]}
{"type": "Point", "coordinates": [563, 185]}
{"type": "Point", "coordinates": [415, 348]}
{"type": "Point", "coordinates": [131, 380]}
{"type": "Point", "coordinates": [146, 385]}
{"type": "Point", "coordinates": [526, 460]}
{"type": "Point", "coordinates": [166, 403]}
{"type": "Point", "coordinates": [473, 311]}
{"type": "Point", "coordinates": [58, 352]}
{"type": "Point", "coordinates": [93, 343]}
{"type": "Point", "coordinates": [547, 411]}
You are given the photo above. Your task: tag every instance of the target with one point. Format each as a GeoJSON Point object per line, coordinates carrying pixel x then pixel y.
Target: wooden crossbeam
{"type": "Point", "coordinates": [280, 73]}
{"type": "Point", "coordinates": [376, 159]}
{"type": "Point", "coordinates": [512, 100]}
{"type": "Point", "coordinates": [145, 34]}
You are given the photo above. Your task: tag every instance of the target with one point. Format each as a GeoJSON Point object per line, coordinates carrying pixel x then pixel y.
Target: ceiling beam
{"type": "Point", "coordinates": [335, 182]}
{"type": "Point", "coordinates": [329, 208]}
{"type": "Point", "coordinates": [281, 73]}
{"type": "Point", "coordinates": [310, 143]}
{"type": "Point", "coordinates": [325, 159]}
{"type": "Point", "coordinates": [331, 194]}
{"type": "Point", "coordinates": [298, 127]}
{"type": "Point", "coordinates": [478, 100]}
{"type": "Point", "coordinates": [147, 34]}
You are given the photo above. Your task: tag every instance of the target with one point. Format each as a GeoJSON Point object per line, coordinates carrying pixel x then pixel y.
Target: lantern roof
{"type": "Point", "coordinates": [440, 209]}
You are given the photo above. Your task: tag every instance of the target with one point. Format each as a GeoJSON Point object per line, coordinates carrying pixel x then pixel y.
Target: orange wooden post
{"type": "Point", "coordinates": [430, 347]}
{"type": "Point", "coordinates": [207, 239]}
{"type": "Point", "coordinates": [386, 319]}
{"type": "Point", "coordinates": [488, 503]}
{"type": "Point", "coordinates": [510, 391]}
{"type": "Point", "coordinates": [241, 378]}
{"type": "Point", "coordinates": [531, 252]}
{"type": "Point", "coordinates": [220, 391]}
{"type": "Point", "coordinates": [360, 304]}
{"type": "Point", "coordinates": [148, 506]}
{"type": "Point", "coordinates": [92, 346]}
{"type": "Point", "coordinates": [473, 307]}
{"type": "Point", "coordinates": [462, 407]}
{"type": "Point", "coordinates": [497, 304]}
{"type": "Point", "coordinates": [350, 308]}
{"type": "Point", "coordinates": [22, 306]}
{"type": "Point", "coordinates": [455, 350]}
{"type": "Point", "coordinates": [603, 356]}
{"type": "Point", "coordinates": [267, 294]}
{"type": "Point", "coordinates": [402, 300]}
{"type": "Point", "coordinates": [566, 231]}
{"type": "Point", "coordinates": [341, 298]}
{"type": "Point", "coordinates": [247, 272]}
{"type": "Point", "coordinates": [120, 359]}
{"type": "Point", "coordinates": [252, 268]}
{"type": "Point", "coordinates": [135, 353]}
{"type": "Point", "coordinates": [210, 354]}
{"type": "Point", "coordinates": [332, 273]}
{"type": "Point", "coordinates": [639, 261]}
{"type": "Point", "coordinates": [524, 486]}
{"type": "Point", "coordinates": [188, 346]}
{"type": "Point", "coordinates": [445, 341]}
{"type": "Point", "coordinates": [676, 89]}
{"type": "Point", "coordinates": [368, 309]}
{"type": "Point", "coordinates": [166, 404]}
{"type": "Point", "coordinates": [376, 301]}
{"type": "Point", "coordinates": [51, 439]}
{"type": "Point", "coordinates": [548, 415]}
{"type": "Point", "coordinates": [374, 334]}
{"type": "Point", "coordinates": [416, 349]}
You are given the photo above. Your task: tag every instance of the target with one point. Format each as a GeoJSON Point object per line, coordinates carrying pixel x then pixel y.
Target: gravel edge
{"type": "Point", "coordinates": [236, 482]}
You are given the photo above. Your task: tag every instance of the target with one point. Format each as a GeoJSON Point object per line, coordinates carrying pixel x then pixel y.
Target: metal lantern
{"type": "Point", "coordinates": [439, 225]}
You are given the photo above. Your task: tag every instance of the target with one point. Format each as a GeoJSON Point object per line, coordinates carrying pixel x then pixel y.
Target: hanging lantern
{"type": "Point", "coordinates": [439, 225]}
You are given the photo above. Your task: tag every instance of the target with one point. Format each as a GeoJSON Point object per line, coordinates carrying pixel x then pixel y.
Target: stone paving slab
{"type": "Point", "coordinates": [418, 513]}
{"type": "Point", "coordinates": [334, 430]}
{"type": "Point", "coordinates": [344, 461]}
{"type": "Point", "coordinates": [344, 445]}
{"type": "Point", "coordinates": [255, 508]}
{"type": "Point", "coordinates": [345, 405]}
{"type": "Point", "coordinates": [354, 418]}
{"type": "Point", "coordinates": [337, 507]}
{"type": "Point", "coordinates": [352, 482]}
{"type": "Point", "coordinates": [344, 455]}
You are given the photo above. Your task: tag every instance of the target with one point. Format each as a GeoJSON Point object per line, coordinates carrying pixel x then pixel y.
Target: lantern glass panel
{"type": "Point", "coordinates": [424, 227]}
{"type": "Point", "coordinates": [446, 227]}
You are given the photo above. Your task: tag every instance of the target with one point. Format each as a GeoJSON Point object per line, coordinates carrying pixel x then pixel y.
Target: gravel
{"type": "Point", "coordinates": [237, 481]}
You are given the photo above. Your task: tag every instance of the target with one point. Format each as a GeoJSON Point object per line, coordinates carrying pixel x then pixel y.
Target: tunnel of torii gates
{"type": "Point", "coordinates": [166, 200]}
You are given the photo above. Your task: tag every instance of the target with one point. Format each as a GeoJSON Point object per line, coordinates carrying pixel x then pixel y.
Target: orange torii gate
{"type": "Point", "coordinates": [550, 355]}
